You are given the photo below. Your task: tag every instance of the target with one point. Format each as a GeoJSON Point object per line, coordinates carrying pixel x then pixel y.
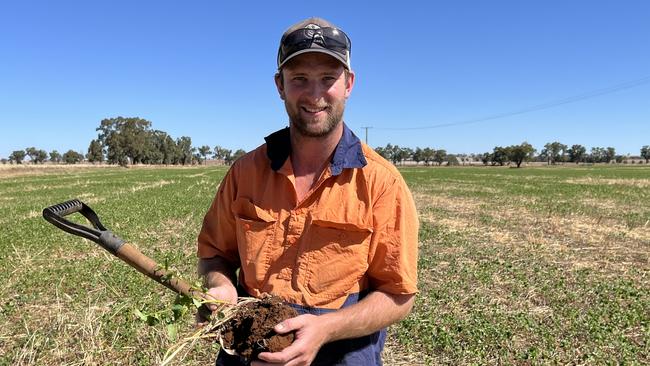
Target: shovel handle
{"type": "Point", "coordinates": [133, 257]}
{"type": "Point", "coordinates": [115, 245]}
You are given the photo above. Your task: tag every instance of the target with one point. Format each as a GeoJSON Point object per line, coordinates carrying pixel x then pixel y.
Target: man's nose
{"type": "Point", "coordinates": [314, 90]}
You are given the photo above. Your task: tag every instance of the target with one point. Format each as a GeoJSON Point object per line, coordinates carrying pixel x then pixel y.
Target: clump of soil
{"type": "Point", "coordinates": [250, 331]}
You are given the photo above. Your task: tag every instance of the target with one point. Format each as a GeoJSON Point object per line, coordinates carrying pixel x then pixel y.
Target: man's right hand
{"type": "Point", "coordinates": [226, 293]}
{"type": "Point", "coordinates": [219, 278]}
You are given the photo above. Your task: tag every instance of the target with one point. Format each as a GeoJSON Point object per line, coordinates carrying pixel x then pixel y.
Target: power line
{"type": "Point", "coordinates": [537, 107]}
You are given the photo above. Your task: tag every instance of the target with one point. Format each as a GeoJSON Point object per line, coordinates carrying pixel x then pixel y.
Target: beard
{"type": "Point", "coordinates": [313, 128]}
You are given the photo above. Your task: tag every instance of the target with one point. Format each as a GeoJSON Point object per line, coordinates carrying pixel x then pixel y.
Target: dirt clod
{"type": "Point", "coordinates": [250, 331]}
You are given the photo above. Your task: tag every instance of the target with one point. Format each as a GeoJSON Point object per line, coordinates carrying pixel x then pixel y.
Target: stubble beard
{"type": "Point", "coordinates": [307, 129]}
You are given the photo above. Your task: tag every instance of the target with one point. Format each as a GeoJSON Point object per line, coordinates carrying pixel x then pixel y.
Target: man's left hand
{"type": "Point", "coordinates": [310, 337]}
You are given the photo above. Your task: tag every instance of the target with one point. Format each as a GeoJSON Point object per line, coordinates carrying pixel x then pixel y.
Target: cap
{"type": "Point", "coordinates": [314, 35]}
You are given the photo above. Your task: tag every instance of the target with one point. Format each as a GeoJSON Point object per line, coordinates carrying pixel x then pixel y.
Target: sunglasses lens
{"type": "Point", "coordinates": [334, 38]}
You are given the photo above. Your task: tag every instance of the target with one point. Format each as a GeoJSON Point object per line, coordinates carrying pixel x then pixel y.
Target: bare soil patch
{"type": "Point", "coordinates": [11, 170]}
{"type": "Point", "coordinates": [640, 183]}
{"type": "Point", "coordinates": [600, 243]}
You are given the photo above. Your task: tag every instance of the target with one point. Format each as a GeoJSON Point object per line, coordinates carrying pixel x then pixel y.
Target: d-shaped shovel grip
{"type": "Point", "coordinates": [115, 245]}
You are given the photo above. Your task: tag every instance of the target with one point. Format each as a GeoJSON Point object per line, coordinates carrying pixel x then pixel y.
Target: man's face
{"type": "Point", "coordinates": [314, 89]}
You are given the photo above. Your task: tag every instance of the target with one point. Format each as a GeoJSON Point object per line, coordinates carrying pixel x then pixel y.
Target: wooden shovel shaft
{"type": "Point", "coordinates": [131, 255]}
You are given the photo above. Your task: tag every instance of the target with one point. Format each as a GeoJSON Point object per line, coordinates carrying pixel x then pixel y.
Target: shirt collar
{"type": "Point", "coordinates": [348, 153]}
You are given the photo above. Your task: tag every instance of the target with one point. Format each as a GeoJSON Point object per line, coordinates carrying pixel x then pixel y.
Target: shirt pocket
{"type": "Point", "coordinates": [337, 255]}
{"type": "Point", "coordinates": [254, 226]}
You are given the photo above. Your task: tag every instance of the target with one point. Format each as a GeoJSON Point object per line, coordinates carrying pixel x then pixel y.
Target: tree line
{"type": "Point", "coordinates": [552, 153]}
{"type": "Point", "coordinates": [132, 140]}
{"type": "Point", "coordinates": [125, 141]}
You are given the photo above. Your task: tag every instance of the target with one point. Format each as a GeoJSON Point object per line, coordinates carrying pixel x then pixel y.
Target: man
{"type": "Point", "coordinates": [315, 217]}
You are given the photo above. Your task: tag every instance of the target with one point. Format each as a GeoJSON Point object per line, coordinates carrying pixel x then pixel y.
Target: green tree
{"type": "Point", "coordinates": [163, 149]}
{"type": "Point", "coordinates": [427, 155]}
{"type": "Point", "coordinates": [398, 154]}
{"type": "Point", "coordinates": [452, 160]}
{"type": "Point", "coordinates": [520, 153]}
{"type": "Point", "coordinates": [95, 152]}
{"type": "Point", "coordinates": [486, 158]}
{"type": "Point", "coordinates": [382, 152]}
{"type": "Point", "coordinates": [196, 157]}
{"type": "Point", "coordinates": [439, 156]}
{"type": "Point", "coordinates": [31, 152]}
{"type": "Point", "coordinates": [577, 153]}
{"type": "Point", "coordinates": [204, 151]}
{"type": "Point", "coordinates": [500, 155]}
{"type": "Point", "coordinates": [17, 156]}
{"type": "Point", "coordinates": [41, 156]}
{"type": "Point", "coordinates": [35, 155]}
{"type": "Point", "coordinates": [610, 154]}
{"type": "Point", "coordinates": [417, 155]}
{"type": "Point", "coordinates": [393, 153]}
{"type": "Point", "coordinates": [72, 157]}
{"type": "Point", "coordinates": [125, 139]}
{"type": "Point", "coordinates": [231, 158]}
{"type": "Point", "coordinates": [406, 153]}
{"type": "Point", "coordinates": [55, 157]}
{"type": "Point", "coordinates": [554, 152]}
{"type": "Point", "coordinates": [645, 153]}
{"type": "Point", "coordinates": [184, 150]}
{"type": "Point", "coordinates": [597, 155]}
{"type": "Point", "coordinates": [228, 156]}
{"type": "Point", "coordinates": [221, 153]}
{"type": "Point", "coordinates": [153, 153]}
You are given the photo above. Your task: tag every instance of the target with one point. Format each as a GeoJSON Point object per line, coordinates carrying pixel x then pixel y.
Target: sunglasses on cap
{"type": "Point", "coordinates": [327, 38]}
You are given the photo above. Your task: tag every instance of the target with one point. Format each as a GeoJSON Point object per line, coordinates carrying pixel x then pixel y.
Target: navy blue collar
{"type": "Point", "coordinates": [348, 153]}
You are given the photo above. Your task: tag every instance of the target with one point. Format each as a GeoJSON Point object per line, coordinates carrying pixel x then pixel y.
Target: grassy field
{"type": "Point", "coordinates": [517, 266]}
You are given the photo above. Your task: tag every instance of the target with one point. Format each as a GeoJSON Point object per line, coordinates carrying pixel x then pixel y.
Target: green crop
{"type": "Point", "coordinates": [545, 265]}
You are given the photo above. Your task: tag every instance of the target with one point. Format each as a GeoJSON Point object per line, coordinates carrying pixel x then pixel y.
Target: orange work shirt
{"type": "Point", "coordinates": [356, 230]}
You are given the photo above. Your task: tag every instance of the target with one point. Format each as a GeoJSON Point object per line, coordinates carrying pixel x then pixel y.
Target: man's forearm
{"type": "Point", "coordinates": [216, 272]}
{"type": "Point", "coordinates": [374, 312]}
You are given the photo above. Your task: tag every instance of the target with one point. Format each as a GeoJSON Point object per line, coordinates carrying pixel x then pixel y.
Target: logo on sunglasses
{"type": "Point", "coordinates": [314, 32]}
{"type": "Point", "coordinates": [311, 30]}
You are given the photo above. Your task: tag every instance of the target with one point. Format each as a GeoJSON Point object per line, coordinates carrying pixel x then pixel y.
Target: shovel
{"type": "Point", "coordinates": [123, 250]}
{"type": "Point", "coordinates": [114, 245]}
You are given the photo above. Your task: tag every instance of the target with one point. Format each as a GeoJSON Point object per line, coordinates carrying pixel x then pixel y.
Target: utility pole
{"type": "Point", "coordinates": [366, 128]}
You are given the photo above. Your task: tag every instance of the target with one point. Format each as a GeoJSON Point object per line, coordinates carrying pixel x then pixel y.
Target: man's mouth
{"type": "Point", "coordinates": [313, 109]}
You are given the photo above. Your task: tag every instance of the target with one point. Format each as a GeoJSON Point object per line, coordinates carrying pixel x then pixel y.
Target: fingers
{"type": "Point", "coordinates": [292, 324]}
{"type": "Point", "coordinates": [302, 350]}
{"type": "Point", "coordinates": [225, 293]}
{"type": "Point", "coordinates": [290, 356]}
{"type": "Point", "coordinates": [211, 296]}
{"type": "Point", "coordinates": [282, 357]}
{"type": "Point", "coordinates": [215, 297]}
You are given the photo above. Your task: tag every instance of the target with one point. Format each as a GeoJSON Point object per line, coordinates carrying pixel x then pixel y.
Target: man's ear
{"type": "Point", "coordinates": [349, 84]}
{"type": "Point", "coordinates": [279, 84]}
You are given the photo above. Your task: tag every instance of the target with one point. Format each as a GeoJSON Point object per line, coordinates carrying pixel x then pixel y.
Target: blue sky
{"type": "Point", "coordinates": [205, 69]}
